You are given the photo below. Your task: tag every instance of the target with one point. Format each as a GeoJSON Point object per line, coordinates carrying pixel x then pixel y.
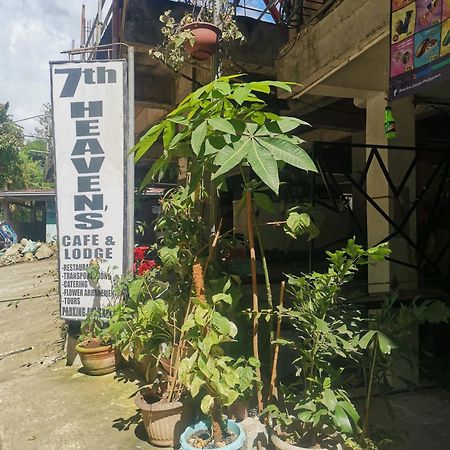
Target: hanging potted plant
{"type": "Point", "coordinates": [198, 34]}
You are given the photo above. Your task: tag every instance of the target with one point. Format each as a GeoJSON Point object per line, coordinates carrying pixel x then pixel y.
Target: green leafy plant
{"type": "Point", "coordinates": [327, 333]}
{"type": "Point", "coordinates": [94, 332]}
{"type": "Point", "coordinates": [208, 370]}
{"type": "Point", "coordinates": [222, 126]}
{"type": "Point", "coordinates": [226, 127]}
{"type": "Point", "coordinates": [172, 52]}
{"type": "Point", "coordinates": [388, 342]}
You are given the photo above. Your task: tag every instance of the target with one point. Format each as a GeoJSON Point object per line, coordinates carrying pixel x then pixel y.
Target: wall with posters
{"type": "Point", "coordinates": [89, 131]}
{"type": "Point", "coordinates": [420, 45]}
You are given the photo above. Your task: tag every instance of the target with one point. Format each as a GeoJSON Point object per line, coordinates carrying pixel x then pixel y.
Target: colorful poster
{"type": "Point", "coordinates": [420, 45]}
{"type": "Point", "coordinates": [398, 4]}
{"type": "Point", "coordinates": [402, 57]}
{"type": "Point", "coordinates": [428, 13]}
{"type": "Point", "coordinates": [445, 41]}
{"type": "Point", "coordinates": [445, 9]}
{"type": "Point", "coordinates": [426, 46]}
{"type": "Point", "coordinates": [403, 23]}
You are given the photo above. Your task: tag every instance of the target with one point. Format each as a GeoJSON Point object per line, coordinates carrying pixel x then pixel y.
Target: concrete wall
{"type": "Point", "coordinates": [326, 45]}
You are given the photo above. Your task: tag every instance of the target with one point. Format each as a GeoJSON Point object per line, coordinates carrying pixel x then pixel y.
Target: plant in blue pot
{"type": "Point", "coordinates": [208, 372]}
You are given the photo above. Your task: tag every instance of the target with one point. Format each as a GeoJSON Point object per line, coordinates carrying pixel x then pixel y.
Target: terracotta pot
{"type": "Point", "coordinates": [206, 40]}
{"type": "Point", "coordinates": [97, 360]}
{"type": "Point", "coordinates": [239, 410]}
{"type": "Point", "coordinates": [146, 367]}
{"type": "Point", "coordinates": [163, 421]}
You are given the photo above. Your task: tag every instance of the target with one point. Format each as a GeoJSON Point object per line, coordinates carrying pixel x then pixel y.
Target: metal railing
{"type": "Point", "coordinates": [339, 188]}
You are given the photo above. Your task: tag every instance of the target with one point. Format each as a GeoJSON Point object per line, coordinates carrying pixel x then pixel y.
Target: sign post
{"type": "Point", "coordinates": [90, 117]}
{"type": "Point", "coordinates": [420, 45]}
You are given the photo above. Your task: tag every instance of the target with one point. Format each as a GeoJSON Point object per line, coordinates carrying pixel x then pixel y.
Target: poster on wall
{"type": "Point", "coordinates": [89, 137]}
{"type": "Point", "coordinates": [420, 45]}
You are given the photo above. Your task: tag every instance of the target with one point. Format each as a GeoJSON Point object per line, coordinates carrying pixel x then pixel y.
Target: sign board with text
{"type": "Point", "coordinates": [89, 131]}
{"type": "Point", "coordinates": [420, 45]}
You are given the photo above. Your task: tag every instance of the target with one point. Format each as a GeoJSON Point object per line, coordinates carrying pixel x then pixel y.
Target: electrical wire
{"type": "Point", "coordinates": [28, 118]}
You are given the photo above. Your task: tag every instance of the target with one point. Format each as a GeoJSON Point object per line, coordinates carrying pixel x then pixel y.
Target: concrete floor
{"type": "Point", "coordinates": [45, 404]}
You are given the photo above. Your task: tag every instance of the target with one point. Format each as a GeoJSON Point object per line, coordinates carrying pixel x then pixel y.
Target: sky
{"type": "Point", "coordinates": [32, 33]}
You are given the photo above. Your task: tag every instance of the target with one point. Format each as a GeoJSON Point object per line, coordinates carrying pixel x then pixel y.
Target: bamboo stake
{"type": "Point", "coordinates": [251, 241]}
{"type": "Point", "coordinates": [273, 377]}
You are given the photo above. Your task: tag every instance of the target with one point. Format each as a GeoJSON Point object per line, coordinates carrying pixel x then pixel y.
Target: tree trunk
{"type": "Point", "coordinates": [217, 422]}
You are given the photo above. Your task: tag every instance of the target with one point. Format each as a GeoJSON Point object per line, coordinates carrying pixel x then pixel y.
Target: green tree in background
{"type": "Point", "coordinates": [21, 164]}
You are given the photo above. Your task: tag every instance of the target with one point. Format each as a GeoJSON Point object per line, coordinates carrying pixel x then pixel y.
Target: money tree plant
{"type": "Point", "coordinates": [227, 127]}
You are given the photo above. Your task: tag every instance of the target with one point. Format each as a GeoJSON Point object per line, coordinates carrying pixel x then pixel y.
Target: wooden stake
{"type": "Point", "coordinates": [251, 242]}
{"type": "Point", "coordinates": [273, 377]}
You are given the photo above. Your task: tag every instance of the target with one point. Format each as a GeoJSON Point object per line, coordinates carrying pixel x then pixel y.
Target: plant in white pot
{"type": "Point", "coordinates": [315, 411]}
{"type": "Point", "coordinates": [198, 34]}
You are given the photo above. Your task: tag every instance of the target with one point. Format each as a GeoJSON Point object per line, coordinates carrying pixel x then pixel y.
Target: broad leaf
{"type": "Point", "coordinates": [341, 420]}
{"type": "Point", "coordinates": [198, 136]}
{"type": "Point", "coordinates": [385, 344]}
{"type": "Point", "coordinates": [264, 202]}
{"type": "Point", "coordinates": [230, 156]}
{"type": "Point", "coordinates": [147, 141]}
{"type": "Point", "coordinates": [207, 402]}
{"type": "Point", "coordinates": [217, 123]}
{"type": "Point", "coordinates": [288, 152]}
{"type": "Point", "coordinates": [264, 165]}
{"type": "Point", "coordinates": [168, 133]}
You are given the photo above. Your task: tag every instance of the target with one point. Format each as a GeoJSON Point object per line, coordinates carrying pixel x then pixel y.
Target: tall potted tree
{"type": "Point", "coordinates": [221, 127]}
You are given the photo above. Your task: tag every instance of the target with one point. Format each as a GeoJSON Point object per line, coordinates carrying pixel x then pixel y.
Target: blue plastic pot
{"type": "Point", "coordinates": [232, 426]}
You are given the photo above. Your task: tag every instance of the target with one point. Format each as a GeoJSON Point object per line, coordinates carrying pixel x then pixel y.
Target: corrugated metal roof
{"type": "Point", "coordinates": [28, 194]}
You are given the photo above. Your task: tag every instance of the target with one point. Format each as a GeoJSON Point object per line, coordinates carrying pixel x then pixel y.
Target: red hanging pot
{"type": "Point", "coordinates": [206, 39]}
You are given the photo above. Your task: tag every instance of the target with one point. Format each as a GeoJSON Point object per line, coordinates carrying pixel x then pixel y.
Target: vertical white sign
{"type": "Point", "coordinates": [89, 116]}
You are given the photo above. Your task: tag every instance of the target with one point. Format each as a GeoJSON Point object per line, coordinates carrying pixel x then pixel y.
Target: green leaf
{"type": "Point", "coordinates": [221, 324]}
{"type": "Point", "coordinates": [147, 141]}
{"type": "Point", "coordinates": [287, 124]}
{"type": "Point", "coordinates": [198, 136]}
{"type": "Point", "coordinates": [329, 399]}
{"type": "Point", "coordinates": [385, 344]}
{"type": "Point", "coordinates": [169, 256]}
{"type": "Point", "coordinates": [188, 324]}
{"type": "Point", "coordinates": [207, 402]}
{"type": "Point", "coordinates": [254, 361]}
{"type": "Point", "coordinates": [350, 410]}
{"type": "Point", "coordinates": [367, 338]}
{"type": "Point", "coordinates": [264, 202]}
{"type": "Point", "coordinates": [221, 297]}
{"type": "Point", "coordinates": [217, 123]}
{"type": "Point", "coordinates": [288, 152]}
{"type": "Point", "coordinates": [222, 86]}
{"type": "Point", "coordinates": [230, 157]}
{"type": "Point", "coordinates": [168, 133]}
{"type": "Point", "coordinates": [341, 420]}
{"type": "Point", "coordinates": [264, 165]}
{"type": "Point", "coordinates": [240, 94]}
{"type": "Point", "coordinates": [281, 85]}
{"type": "Point", "coordinates": [200, 316]}
{"type": "Point", "coordinates": [196, 385]}
{"type": "Point", "coordinates": [260, 86]}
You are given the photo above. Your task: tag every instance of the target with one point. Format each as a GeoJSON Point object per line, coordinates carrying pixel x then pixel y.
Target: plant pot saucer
{"type": "Point", "coordinates": [206, 39]}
